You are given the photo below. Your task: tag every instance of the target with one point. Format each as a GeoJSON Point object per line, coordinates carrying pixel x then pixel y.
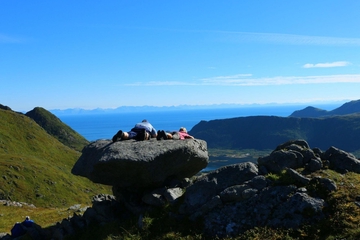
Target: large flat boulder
{"type": "Point", "coordinates": [141, 164]}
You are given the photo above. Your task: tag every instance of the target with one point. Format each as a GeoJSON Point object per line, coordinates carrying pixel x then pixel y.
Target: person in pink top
{"type": "Point", "coordinates": [179, 135]}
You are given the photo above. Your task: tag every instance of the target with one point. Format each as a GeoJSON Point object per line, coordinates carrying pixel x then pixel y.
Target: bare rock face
{"type": "Point", "coordinates": [141, 164]}
{"type": "Point", "coordinates": [342, 161]}
{"type": "Point", "coordinates": [292, 154]}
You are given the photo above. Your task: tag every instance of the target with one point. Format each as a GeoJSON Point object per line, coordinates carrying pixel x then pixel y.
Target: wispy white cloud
{"type": "Point", "coordinates": [8, 39]}
{"type": "Point", "coordinates": [248, 80]}
{"type": "Point", "coordinates": [280, 80]}
{"type": "Point", "coordinates": [160, 83]}
{"type": "Point", "coordinates": [292, 39]}
{"type": "Point", "coordinates": [233, 79]}
{"type": "Point", "coordinates": [327, 65]}
{"type": "Point", "coordinates": [274, 38]}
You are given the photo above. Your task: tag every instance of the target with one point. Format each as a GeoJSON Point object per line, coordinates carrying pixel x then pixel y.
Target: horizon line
{"type": "Point", "coordinates": [317, 102]}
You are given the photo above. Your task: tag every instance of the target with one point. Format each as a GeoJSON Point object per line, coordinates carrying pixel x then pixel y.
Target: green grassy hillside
{"type": "Point", "coordinates": [36, 168]}
{"type": "Point", "coordinates": [56, 128]}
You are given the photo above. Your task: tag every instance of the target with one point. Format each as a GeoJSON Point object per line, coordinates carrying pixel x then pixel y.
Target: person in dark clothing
{"type": "Point", "coordinates": [142, 131]}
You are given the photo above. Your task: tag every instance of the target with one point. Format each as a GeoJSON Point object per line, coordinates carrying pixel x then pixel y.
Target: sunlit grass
{"type": "Point", "coordinates": [44, 217]}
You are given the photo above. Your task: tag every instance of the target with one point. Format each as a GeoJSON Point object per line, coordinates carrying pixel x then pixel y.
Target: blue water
{"type": "Point", "coordinates": [105, 125]}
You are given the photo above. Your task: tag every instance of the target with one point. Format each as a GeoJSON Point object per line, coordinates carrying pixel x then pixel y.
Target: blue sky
{"type": "Point", "coordinates": [106, 54]}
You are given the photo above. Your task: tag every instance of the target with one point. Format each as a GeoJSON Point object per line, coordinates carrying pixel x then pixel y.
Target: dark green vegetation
{"type": "Point", "coordinates": [36, 168]}
{"type": "Point", "coordinates": [53, 125]}
{"type": "Point", "coordinates": [266, 132]}
{"type": "Point", "coordinates": [345, 109]}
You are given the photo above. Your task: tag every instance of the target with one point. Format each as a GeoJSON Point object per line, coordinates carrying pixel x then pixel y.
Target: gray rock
{"type": "Point", "coordinates": [231, 175]}
{"type": "Point", "coordinates": [141, 164]}
{"type": "Point", "coordinates": [322, 185]}
{"type": "Point", "coordinates": [105, 206]}
{"type": "Point", "coordinates": [248, 193]}
{"type": "Point", "coordinates": [280, 160]}
{"type": "Point", "coordinates": [159, 197]}
{"type": "Point", "coordinates": [75, 207]}
{"type": "Point", "coordinates": [299, 142]}
{"type": "Point", "coordinates": [258, 182]}
{"type": "Point", "coordinates": [307, 153]}
{"type": "Point", "coordinates": [292, 154]}
{"type": "Point", "coordinates": [314, 165]}
{"type": "Point", "coordinates": [318, 152]}
{"type": "Point", "coordinates": [298, 177]}
{"type": "Point", "coordinates": [233, 193]}
{"type": "Point", "coordinates": [342, 161]}
{"type": "Point", "coordinates": [172, 194]}
{"type": "Point", "coordinates": [298, 210]}
{"type": "Point", "coordinates": [102, 197]}
{"type": "Point", "coordinates": [198, 194]}
{"type": "Point", "coordinates": [211, 184]}
{"type": "Point", "coordinates": [243, 215]}
{"type": "Point", "coordinates": [155, 198]}
{"type": "Point", "coordinates": [214, 202]}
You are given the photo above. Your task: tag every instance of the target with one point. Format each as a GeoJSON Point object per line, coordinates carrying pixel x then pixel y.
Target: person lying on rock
{"type": "Point", "coordinates": [177, 135]}
{"type": "Point", "coordinates": [142, 131]}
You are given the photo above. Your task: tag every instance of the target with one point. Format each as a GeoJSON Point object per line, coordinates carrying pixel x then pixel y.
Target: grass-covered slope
{"type": "Point", "coordinates": [55, 127]}
{"type": "Point", "coordinates": [36, 168]}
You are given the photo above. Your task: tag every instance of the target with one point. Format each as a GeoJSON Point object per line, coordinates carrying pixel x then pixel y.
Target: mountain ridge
{"type": "Point", "coordinates": [36, 167]}
{"type": "Point", "coordinates": [265, 132]}
{"type": "Point", "coordinates": [129, 109]}
{"type": "Point", "coordinates": [347, 108]}
{"type": "Point", "coordinates": [55, 127]}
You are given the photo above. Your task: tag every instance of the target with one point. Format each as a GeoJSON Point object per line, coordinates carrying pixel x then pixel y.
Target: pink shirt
{"type": "Point", "coordinates": [184, 135]}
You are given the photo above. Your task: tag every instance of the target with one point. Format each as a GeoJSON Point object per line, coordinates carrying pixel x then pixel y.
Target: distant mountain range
{"type": "Point", "coordinates": [347, 108]}
{"type": "Point", "coordinates": [130, 109]}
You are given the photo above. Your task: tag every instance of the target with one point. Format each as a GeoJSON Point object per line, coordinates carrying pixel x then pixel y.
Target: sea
{"type": "Point", "coordinates": [106, 125]}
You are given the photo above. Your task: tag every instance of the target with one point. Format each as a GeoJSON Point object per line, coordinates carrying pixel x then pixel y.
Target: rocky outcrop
{"type": "Point", "coordinates": [232, 199]}
{"type": "Point", "coordinates": [229, 208]}
{"type": "Point", "coordinates": [208, 186]}
{"type": "Point", "coordinates": [292, 154]}
{"type": "Point", "coordinates": [297, 154]}
{"type": "Point", "coordinates": [235, 198]}
{"type": "Point", "coordinates": [141, 164]}
{"type": "Point", "coordinates": [342, 161]}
